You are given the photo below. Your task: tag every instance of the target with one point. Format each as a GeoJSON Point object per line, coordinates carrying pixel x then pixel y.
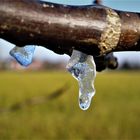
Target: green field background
{"type": "Point", "coordinates": [114, 112]}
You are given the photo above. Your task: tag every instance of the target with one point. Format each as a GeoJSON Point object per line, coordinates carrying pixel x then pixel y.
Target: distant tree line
{"type": "Point", "coordinates": [126, 65]}
{"type": "Point", "coordinates": [11, 64]}
{"type": "Point", "coordinates": [46, 65]}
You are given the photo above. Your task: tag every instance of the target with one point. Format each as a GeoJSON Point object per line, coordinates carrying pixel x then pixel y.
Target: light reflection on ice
{"type": "Point", "coordinates": [23, 55]}
{"type": "Point", "coordinates": [83, 68]}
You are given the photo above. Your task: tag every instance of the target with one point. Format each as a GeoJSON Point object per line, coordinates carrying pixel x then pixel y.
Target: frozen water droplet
{"type": "Point", "coordinates": [24, 55]}
{"type": "Point", "coordinates": [83, 68]}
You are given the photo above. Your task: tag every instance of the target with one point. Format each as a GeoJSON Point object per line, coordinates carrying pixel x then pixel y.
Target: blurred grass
{"type": "Point", "coordinates": [114, 113]}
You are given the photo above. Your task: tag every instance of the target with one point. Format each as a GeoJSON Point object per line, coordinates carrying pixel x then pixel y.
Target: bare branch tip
{"type": "Point", "coordinates": [97, 2]}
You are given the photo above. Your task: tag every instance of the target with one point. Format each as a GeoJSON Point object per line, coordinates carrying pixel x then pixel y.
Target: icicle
{"type": "Point", "coordinates": [24, 55]}
{"type": "Point", "coordinates": [83, 68]}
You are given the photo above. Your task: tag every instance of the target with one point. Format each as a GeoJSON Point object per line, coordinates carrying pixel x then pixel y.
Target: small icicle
{"type": "Point", "coordinates": [83, 68]}
{"type": "Point", "coordinates": [23, 55]}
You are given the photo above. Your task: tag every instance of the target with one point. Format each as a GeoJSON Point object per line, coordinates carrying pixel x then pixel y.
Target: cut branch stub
{"type": "Point", "coordinates": [92, 29]}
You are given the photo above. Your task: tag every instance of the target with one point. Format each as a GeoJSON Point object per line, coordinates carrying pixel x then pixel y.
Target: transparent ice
{"type": "Point", "coordinates": [24, 55]}
{"type": "Point", "coordinates": [83, 68]}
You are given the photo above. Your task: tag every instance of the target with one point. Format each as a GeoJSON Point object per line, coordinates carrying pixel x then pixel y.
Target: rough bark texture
{"type": "Point", "coordinates": [63, 28]}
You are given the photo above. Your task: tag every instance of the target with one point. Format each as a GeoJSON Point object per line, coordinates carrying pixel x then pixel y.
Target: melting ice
{"type": "Point", "coordinates": [83, 68]}
{"type": "Point", "coordinates": [80, 65]}
{"type": "Point", "coordinates": [24, 55]}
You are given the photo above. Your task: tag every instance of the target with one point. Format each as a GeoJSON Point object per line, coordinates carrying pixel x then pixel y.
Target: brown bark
{"type": "Point", "coordinates": [63, 28]}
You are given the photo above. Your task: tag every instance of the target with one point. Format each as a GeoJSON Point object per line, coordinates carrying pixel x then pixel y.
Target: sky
{"type": "Point", "coordinates": [42, 53]}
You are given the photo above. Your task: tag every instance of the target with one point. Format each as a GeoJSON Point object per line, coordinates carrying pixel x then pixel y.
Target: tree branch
{"type": "Point", "coordinates": [93, 29]}
{"type": "Point", "coordinates": [97, 2]}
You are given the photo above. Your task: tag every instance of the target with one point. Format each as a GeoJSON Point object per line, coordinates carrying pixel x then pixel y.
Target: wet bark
{"type": "Point", "coordinates": [63, 28]}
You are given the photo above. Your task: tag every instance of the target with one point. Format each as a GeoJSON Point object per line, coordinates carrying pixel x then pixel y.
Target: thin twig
{"type": "Point", "coordinates": [97, 2]}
